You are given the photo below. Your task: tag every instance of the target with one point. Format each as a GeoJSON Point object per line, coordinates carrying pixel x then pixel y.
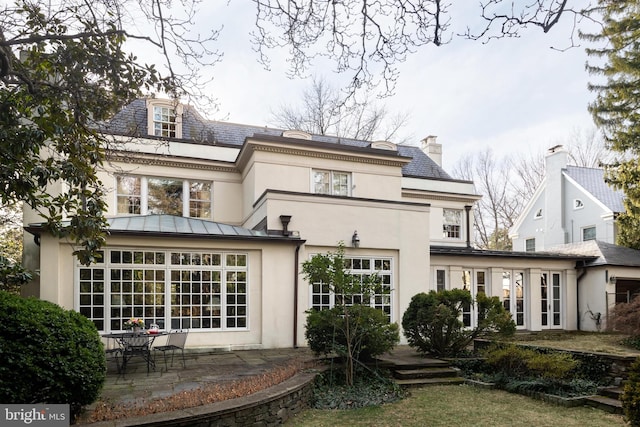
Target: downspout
{"type": "Point", "coordinates": [467, 208]}
{"type": "Point", "coordinates": [580, 276]}
{"type": "Point", "coordinates": [296, 274]}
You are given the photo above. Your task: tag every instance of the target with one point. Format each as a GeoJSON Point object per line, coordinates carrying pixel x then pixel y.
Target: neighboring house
{"type": "Point", "coordinates": [572, 204]}
{"type": "Point", "coordinates": [209, 223]}
{"type": "Point", "coordinates": [573, 212]}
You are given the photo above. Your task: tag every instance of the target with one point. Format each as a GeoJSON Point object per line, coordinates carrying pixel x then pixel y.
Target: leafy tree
{"type": "Point", "coordinates": [12, 274]}
{"type": "Point", "coordinates": [350, 329]}
{"type": "Point", "coordinates": [64, 69]}
{"type": "Point", "coordinates": [432, 322]}
{"type": "Point", "coordinates": [615, 109]}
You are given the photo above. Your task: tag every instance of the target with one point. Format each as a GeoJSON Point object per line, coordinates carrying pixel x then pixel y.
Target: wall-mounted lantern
{"type": "Point", "coordinates": [355, 240]}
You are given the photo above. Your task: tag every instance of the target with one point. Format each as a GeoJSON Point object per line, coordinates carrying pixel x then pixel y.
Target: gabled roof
{"type": "Point", "coordinates": [602, 252]}
{"type": "Point", "coordinates": [132, 121]}
{"type": "Point", "coordinates": [592, 180]}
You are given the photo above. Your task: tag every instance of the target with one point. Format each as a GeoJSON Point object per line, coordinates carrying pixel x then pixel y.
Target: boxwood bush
{"type": "Point", "coordinates": [48, 354]}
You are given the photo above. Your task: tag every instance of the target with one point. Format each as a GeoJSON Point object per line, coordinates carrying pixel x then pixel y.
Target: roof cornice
{"type": "Point", "coordinates": [323, 150]}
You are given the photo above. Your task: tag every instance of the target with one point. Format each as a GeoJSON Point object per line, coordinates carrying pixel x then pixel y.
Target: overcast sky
{"type": "Point", "coordinates": [510, 95]}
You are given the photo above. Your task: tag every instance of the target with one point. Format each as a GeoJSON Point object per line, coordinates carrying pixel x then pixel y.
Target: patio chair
{"type": "Point", "coordinates": [113, 351]}
{"type": "Point", "coordinates": [175, 341]}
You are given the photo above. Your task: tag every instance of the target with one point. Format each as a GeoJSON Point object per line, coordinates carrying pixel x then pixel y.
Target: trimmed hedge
{"type": "Point", "coordinates": [48, 354]}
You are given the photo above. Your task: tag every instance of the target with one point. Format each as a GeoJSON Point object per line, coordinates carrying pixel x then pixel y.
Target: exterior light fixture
{"type": "Point", "coordinates": [285, 219]}
{"type": "Point", "coordinates": [355, 240]}
{"type": "Point", "coordinates": [613, 280]}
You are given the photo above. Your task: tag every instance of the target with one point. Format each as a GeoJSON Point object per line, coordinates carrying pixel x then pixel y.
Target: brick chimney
{"type": "Point", "coordinates": [432, 149]}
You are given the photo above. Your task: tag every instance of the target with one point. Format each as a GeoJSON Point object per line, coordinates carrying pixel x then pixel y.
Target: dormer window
{"type": "Point", "coordinates": [538, 214]}
{"type": "Point", "coordinates": [578, 204]}
{"type": "Point", "coordinates": [165, 118]}
{"type": "Point", "coordinates": [164, 122]}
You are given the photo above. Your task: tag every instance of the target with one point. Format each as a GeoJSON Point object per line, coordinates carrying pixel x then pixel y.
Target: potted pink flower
{"type": "Point", "coordinates": [135, 324]}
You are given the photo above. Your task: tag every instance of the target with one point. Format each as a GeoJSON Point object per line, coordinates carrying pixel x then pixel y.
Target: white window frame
{"type": "Point", "coordinates": [446, 230]}
{"type": "Point", "coordinates": [320, 296]}
{"type": "Point", "coordinates": [589, 228]}
{"type": "Point", "coordinates": [99, 306]}
{"type": "Point", "coordinates": [144, 195]}
{"type": "Point", "coordinates": [526, 242]}
{"type": "Point", "coordinates": [332, 175]}
{"type": "Point", "coordinates": [177, 108]}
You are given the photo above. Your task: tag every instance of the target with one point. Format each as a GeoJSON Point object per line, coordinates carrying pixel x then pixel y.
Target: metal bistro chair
{"type": "Point", "coordinates": [137, 346]}
{"type": "Point", "coordinates": [113, 351]}
{"type": "Point", "coordinates": [175, 341]}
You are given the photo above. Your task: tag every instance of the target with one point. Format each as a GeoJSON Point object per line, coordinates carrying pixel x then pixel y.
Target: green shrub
{"type": "Point", "coordinates": [632, 342]}
{"type": "Point", "coordinates": [520, 362]}
{"type": "Point", "coordinates": [432, 321]}
{"type": "Point", "coordinates": [370, 330]}
{"type": "Point", "coordinates": [631, 396]}
{"type": "Point", "coordinates": [48, 354]}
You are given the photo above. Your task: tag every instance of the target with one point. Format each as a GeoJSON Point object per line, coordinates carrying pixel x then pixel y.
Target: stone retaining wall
{"type": "Point", "coordinates": [619, 365]}
{"type": "Point", "coordinates": [269, 407]}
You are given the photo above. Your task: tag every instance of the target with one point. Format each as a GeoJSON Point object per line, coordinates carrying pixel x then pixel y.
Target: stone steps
{"type": "Point", "coordinates": [607, 399]}
{"type": "Point", "coordinates": [413, 370]}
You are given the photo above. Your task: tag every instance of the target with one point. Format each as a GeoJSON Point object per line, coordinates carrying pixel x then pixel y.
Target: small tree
{"type": "Point", "coordinates": [352, 330]}
{"type": "Point", "coordinates": [432, 321]}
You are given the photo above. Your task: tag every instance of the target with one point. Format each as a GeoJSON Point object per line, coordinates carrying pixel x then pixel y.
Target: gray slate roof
{"type": "Point", "coordinates": [606, 253]}
{"type": "Point", "coordinates": [177, 225]}
{"type": "Point", "coordinates": [132, 120]}
{"type": "Point", "coordinates": [592, 180]}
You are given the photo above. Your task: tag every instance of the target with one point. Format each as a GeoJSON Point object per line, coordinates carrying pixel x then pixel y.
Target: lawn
{"type": "Point", "coordinates": [470, 406]}
{"type": "Point", "coordinates": [460, 405]}
{"type": "Point", "coordinates": [592, 342]}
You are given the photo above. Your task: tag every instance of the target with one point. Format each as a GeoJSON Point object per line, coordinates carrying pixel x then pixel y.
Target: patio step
{"type": "Point", "coordinates": [425, 373]}
{"type": "Point", "coordinates": [421, 382]}
{"type": "Point", "coordinates": [411, 369]}
{"type": "Point", "coordinates": [604, 403]}
{"type": "Point", "coordinates": [612, 392]}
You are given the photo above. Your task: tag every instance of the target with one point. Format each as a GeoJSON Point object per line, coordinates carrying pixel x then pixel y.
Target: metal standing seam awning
{"type": "Point", "coordinates": [178, 226]}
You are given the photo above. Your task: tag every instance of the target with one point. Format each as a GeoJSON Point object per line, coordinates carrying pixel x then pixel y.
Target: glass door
{"type": "Point", "coordinates": [550, 303]}
{"type": "Point", "coordinates": [513, 295]}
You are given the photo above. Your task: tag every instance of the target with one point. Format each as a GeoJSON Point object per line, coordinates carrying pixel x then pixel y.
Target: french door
{"type": "Point", "coordinates": [551, 307]}
{"type": "Point", "coordinates": [513, 295]}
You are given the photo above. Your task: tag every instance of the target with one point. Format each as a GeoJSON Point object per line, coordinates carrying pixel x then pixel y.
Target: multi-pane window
{"type": "Point", "coordinates": [177, 290]}
{"type": "Point", "coordinates": [451, 223]}
{"type": "Point", "coordinates": [530, 245]}
{"type": "Point", "coordinates": [164, 122]}
{"type": "Point", "coordinates": [199, 199]}
{"type": "Point", "coordinates": [146, 195]}
{"type": "Point", "coordinates": [129, 195]}
{"type": "Point", "coordinates": [588, 233]}
{"type": "Point", "coordinates": [323, 298]}
{"type": "Point", "coordinates": [331, 182]}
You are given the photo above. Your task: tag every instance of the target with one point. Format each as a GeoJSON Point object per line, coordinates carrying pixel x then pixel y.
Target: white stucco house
{"type": "Point", "coordinates": [209, 223]}
{"type": "Point", "coordinates": [572, 204]}
{"type": "Point", "coordinates": [573, 211]}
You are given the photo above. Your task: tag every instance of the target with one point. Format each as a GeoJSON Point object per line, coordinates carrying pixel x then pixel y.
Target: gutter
{"type": "Point", "coordinates": [296, 274]}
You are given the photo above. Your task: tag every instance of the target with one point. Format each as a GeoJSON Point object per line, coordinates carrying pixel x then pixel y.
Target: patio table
{"type": "Point", "coordinates": [135, 344]}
